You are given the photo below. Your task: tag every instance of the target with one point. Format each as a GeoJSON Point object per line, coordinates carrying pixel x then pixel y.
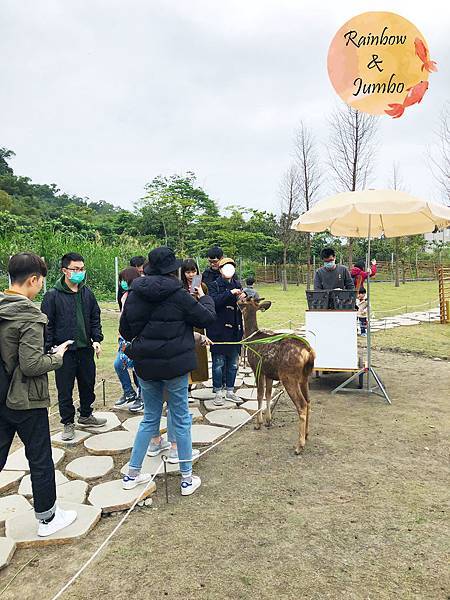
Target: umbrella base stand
{"type": "Point", "coordinates": [377, 389]}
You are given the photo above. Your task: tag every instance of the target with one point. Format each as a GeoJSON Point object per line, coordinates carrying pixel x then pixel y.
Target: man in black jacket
{"type": "Point", "coordinates": [158, 320]}
{"type": "Point", "coordinates": [73, 313]}
{"type": "Point", "coordinates": [212, 273]}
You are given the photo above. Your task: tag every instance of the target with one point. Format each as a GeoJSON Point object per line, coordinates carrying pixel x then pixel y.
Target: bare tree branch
{"type": "Point", "coordinates": [439, 157]}
{"type": "Point", "coordinates": [351, 150]}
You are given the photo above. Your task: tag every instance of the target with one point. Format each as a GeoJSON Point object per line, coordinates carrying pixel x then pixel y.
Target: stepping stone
{"type": "Point", "coordinates": [250, 381]}
{"type": "Point", "coordinates": [112, 422]}
{"type": "Point", "coordinates": [197, 416]}
{"type": "Point", "coordinates": [7, 549]}
{"type": "Point", "coordinates": [203, 435]}
{"type": "Point", "coordinates": [238, 382]}
{"type": "Point", "coordinates": [209, 405]}
{"type": "Point", "coordinates": [111, 497]}
{"type": "Point", "coordinates": [247, 393]}
{"type": "Point", "coordinates": [151, 465]}
{"type": "Point", "coordinates": [11, 506]}
{"type": "Point", "coordinates": [8, 479]}
{"type": "Point", "coordinates": [90, 467]}
{"type": "Point", "coordinates": [113, 442]}
{"type": "Point", "coordinates": [25, 484]}
{"type": "Point", "coordinates": [80, 436]}
{"type": "Point", "coordinates": [204, 384]}
{"type": "Point", "coordinates": [203, 394]}
{"type": "Point", "coordinates": [245, 370]}
{"type": "Point", "coordinates": [194, 402]}
{"type": "Point", "coordinates": [17, 461]}
{"type": "Point", "coordinates": [227, 418]}
{"type": "Point", "coordinates": [23, 528]}
{"type": "Point", "coordinates": [72, 491]}
{"type": "Point", "coordinates": [132, 424]}
{"type": "Point", "coordinates": [251, 406]}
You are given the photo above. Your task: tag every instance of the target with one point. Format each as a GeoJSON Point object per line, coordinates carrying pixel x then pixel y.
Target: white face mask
{"type": "Point", "coordinates": [228, 271]}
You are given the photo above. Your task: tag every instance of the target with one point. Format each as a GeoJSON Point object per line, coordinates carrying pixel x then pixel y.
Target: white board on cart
{"type": "Point", "coordinates": [333, 336]}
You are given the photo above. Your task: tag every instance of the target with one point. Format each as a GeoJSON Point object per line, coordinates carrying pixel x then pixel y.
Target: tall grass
{"type": "Point", "coordinates": [99, 257]}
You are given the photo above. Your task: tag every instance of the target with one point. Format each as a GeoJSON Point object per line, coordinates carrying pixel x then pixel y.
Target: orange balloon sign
{"type": "Point", "coordinates": [379, 63]}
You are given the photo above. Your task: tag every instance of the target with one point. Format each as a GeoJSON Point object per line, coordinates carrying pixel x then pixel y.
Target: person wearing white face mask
{"type": "Point", "coordinates": [332, 276]}
{"type": "Point", "coordinates": [225, 291]}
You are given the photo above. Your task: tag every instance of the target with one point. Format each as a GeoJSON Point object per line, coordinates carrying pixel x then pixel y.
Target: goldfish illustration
{"type": "Point", "coordinates": [422, 53]}
{"type": "Point", "coordinates": [414, 96]}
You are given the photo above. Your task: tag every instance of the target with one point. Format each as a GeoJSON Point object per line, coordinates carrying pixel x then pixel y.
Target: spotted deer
{"type": "Point", "coordinates": [290, 361]}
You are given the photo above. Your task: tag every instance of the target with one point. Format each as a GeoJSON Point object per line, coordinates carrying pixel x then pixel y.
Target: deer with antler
{"type": "Point", "coordinates": [289, 360]}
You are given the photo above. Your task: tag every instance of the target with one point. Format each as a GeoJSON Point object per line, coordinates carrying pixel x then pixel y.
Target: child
{"type": "Point", "coordinates": [361, 303]}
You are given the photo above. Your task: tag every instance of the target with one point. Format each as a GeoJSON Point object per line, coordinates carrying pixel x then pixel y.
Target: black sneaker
{"type": "Point", "coordinates": [126, 399]}
{"type": "Point", "coordinates": [137, 406]}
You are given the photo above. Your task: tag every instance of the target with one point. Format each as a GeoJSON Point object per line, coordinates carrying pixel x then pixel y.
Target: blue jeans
{"type": "Point", "coordinates": [121, 366]}
{"type": "Point", "coordinates": [178, 418]}
{"type": "Point", "coordinates": [225, 366]}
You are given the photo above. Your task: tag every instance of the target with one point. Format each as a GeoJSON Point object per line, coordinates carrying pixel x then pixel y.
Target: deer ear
{"type": "Point", "coordinates": [265, 305]}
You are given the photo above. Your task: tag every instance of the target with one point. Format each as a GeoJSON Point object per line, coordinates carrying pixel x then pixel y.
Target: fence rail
{"type": "Point", "coordinates": [297, 274]}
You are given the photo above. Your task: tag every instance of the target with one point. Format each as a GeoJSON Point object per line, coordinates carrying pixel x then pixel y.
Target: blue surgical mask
{"type": "Point", "coordinates": [77, 277]}
{"type": "Point", "coordinates": [124, 286]}
{"type": "Point", "coordinates": [329, 265]}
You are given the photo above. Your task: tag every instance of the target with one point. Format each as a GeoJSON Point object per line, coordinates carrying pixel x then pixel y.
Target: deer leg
{"type": "Point", "coordinates": [295, 394]}
{"type": "Point", "coordinates": [305, 391]}
{"type": "Point", "coordinates": [269, 384]}
{"type": "Point", "coordinates": [260, 390]}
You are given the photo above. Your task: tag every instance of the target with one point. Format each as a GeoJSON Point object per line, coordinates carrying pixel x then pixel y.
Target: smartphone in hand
{"type": "Point", "coordinates": [196, 283]}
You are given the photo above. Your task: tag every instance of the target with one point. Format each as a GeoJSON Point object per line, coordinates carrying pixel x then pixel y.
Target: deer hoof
{"type": "Point", "coordinates": [268, 423]}
{"type": "Point", "coordinates": [257, 426]}
{"type": "Point", "coordinates": [299, 450]}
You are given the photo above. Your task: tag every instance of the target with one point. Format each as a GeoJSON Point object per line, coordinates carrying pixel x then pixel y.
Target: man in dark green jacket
{"type": "Point", "coordinates": [73, 313]}
{"type": "Point", "coordinates": [24, 410]}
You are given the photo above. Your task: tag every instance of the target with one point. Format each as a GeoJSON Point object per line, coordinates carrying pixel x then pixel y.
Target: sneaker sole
{"type": "Point", "coordinates": [91, 424]}
{"type": "Point", "coordinates": [135, 485]}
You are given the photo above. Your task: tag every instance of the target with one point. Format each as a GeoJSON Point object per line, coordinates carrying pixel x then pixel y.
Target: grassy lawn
{"type": "Point", "coordinates": [387, 300]}
{"type": "Point", "coordinates": [427, 339]}
{"type": "Point", "coordinates": [288, 311]}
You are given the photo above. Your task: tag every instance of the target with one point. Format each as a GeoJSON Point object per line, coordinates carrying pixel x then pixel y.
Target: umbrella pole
{"type": "Point", "coordinates": [368, 370]}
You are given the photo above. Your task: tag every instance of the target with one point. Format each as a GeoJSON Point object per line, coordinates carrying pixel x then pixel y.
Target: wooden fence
{"type": "Point", "coordinates": [296, 274]}
{"type": "Point", "coordinates": [444, 293]}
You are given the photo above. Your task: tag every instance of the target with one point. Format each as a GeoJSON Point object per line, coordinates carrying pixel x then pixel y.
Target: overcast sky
{"type": "Point", "coordinates": [100, 96]}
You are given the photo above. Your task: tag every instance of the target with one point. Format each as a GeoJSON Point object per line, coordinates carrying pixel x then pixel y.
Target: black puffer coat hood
{"type": "Point", "coordinates": [158, 318]}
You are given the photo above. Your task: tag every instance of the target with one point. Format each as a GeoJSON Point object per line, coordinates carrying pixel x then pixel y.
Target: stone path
{"type": "Point", "coordinates": [83, 483]}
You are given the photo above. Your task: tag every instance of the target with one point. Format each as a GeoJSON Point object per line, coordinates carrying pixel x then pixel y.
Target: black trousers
{"type": "Point", "coordinates": [79, 365]}
{"type": "Point", "coordinates": [33, 429]}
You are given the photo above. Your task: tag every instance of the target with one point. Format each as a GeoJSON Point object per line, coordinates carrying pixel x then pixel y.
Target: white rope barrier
{"type": "Point", "coordinates": [130, 510]}
{"type": "Point", "coordinates": [108, 538]}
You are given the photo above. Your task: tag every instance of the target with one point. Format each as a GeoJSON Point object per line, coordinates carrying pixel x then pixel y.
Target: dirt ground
{"type": "Point", "coordinates": [360, 515]}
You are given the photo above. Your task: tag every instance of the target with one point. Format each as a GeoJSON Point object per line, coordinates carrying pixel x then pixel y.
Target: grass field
{"type": "Point", "coordinates": [288, 311]}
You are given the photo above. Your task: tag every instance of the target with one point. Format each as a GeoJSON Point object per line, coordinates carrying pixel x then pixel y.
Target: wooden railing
{"type": "Point", "coordinates": [444, 293]}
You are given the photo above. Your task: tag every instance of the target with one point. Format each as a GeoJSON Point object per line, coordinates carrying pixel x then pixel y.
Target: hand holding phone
{"type": "Point", "coordinates": [61, 349]}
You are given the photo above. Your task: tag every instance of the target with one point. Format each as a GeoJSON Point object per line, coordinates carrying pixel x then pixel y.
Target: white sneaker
{"type": "Point", "coordinates": [219, 399]}
{"type": "Point", "coordinates": [173, 455]}
{"type": "Point", "coordinates": [62, 519]}
{"type": "Point", "coordinates": [231, 396]}
{"type": "Point", "coordinates": [128, 483]}
{"type": "Point", "coordinates": [189, 488]}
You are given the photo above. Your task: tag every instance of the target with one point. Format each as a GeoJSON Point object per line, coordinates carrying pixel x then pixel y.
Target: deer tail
{"type": "Point", "coordinates": [309, 357]}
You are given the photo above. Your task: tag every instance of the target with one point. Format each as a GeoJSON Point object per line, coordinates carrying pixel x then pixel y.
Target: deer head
{"type": "Point", "coordinates": [250, 305]}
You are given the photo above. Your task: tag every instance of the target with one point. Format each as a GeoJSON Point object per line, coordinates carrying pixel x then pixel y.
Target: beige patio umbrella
{"type": "Point", "coordinates": [374, 213]}
{"type": "Point", "coordinates": [370, 214]}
